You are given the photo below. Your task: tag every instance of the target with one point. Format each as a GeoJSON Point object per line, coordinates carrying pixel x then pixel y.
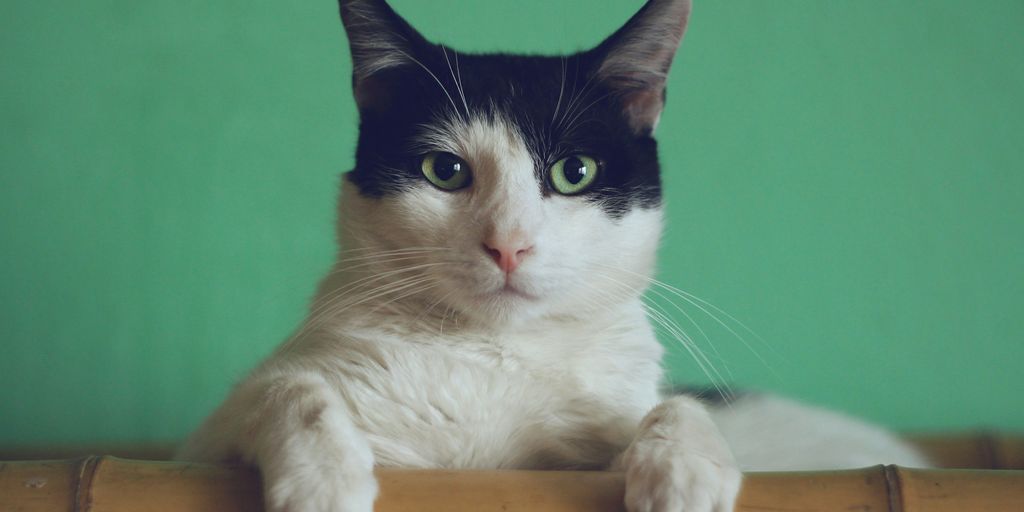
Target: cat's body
{"type": "Point", "coordinates": [499, 229]}
{"type": "Point", "coordinates": [549, 396]}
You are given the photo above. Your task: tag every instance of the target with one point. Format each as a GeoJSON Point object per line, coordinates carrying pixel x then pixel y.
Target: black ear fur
{"type": "Point", "coordinates": [380, 40]}
{"type": "Point", "coordinates": [634, 61]}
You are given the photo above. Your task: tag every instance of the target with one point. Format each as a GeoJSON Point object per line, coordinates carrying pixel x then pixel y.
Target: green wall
{"type": "Point", "coordinates": [846, 178]}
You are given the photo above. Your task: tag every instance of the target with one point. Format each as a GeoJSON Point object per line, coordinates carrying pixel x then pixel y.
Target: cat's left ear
{"type": "Point", "coordinates": [380, 40]}
{"type": "Point", "coordinates": [635, 60]}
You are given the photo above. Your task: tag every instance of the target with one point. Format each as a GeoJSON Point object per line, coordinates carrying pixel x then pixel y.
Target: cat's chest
{"type": "Point", "coordinates": [489, 406]}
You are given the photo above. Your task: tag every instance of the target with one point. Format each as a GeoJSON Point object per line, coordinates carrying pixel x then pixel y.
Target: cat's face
{"type": "Point", "coordinates": [508, 187]}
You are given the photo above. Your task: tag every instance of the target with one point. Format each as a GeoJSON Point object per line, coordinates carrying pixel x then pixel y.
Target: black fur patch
{"type": "Point", "coordinates": [557, 104]}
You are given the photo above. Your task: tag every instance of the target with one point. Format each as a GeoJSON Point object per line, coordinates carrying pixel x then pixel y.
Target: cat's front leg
{"type": "Point", "coordinates": [311, 455]}
{"type": "Point", "coordinates": [679, 462]}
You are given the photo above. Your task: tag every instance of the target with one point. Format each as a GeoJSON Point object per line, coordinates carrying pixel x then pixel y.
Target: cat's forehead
{"type": "Point", "coordinates": [522, 75]}
{"type": "Point", "coordinates": [525, 87]}
{"type": "Point", "coordinates": [549, 103]}
{"type": "Point", "coordinates": [469, 133]}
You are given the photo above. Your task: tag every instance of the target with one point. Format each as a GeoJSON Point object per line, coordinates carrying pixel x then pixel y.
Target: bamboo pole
{"type": "Point", "coordinates": [108, 484]}
{"type": "Point", "coordinates": [968, 450]}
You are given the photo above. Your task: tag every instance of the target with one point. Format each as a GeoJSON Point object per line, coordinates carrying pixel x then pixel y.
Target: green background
{"type": "Point", "coordinates": [843, 177]}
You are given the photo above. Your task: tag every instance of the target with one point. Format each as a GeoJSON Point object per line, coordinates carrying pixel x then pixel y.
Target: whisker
{"type": "Point", "coordinates": [444, 317]}
{"type": "Point", "coordinates": [705, 365]}
{"type": "Point", "coordinates": [431, 283]}
{"type": "Point", "coordinates": [458, 79]}
{"type": "Point", "coordinates": [431, 73]}
{"type": "Point", "coordinates": [661, 317]}
{"type": "Point", "coordinates": [700, 305]}
{"type": "Point", "coordinates": [691, 299]}
{"type": "Point", "coordinates": [289, 285]}
{"type": "Point", "coordinates": [561, 90]}
{"type": "Point", "coordinates": [339, 306]}
{"type": "Point", "coordinates": [371, 260]}
{"type": "Point", "coordinates": [329, 304]}
{"type": "Point", "coordinates": [691, 320]}
{"type": "Point", "coordinates": [433, 305]}
{"type": "Point", "coordinates": [572, 122]}
{"type": "Point", "coordinates": [382, 256]}
{"type": "Point", "coordinates": [576, 100]}
{"type": "Point", "coordinates": [374, 250]}
{"type": "Point", "coordinates": [372, 277]}
{"type": "Point", "coordinates": [458, 84]}
{"type": "Point", "coordinates": [367, 296]}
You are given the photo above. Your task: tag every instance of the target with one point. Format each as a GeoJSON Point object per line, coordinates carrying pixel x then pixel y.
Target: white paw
{"type": "Point", "coordinates": [680, 463]}
{"type": "Point", "coordinates": [658, 480]}
{"type": "Point", "coordinates": [316, 489]}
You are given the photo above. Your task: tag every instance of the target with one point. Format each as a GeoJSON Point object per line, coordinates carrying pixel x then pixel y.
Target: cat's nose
{"type": "Point", "coordinates": [507, 254]}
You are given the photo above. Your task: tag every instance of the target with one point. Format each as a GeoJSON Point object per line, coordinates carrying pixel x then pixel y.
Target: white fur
{"type": "Point", "coordinates": [423, 358]}
{"type": "Point", "coordinates": [770, 433]}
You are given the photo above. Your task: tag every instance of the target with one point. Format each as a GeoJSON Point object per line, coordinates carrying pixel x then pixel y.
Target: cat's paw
{"type": "Point", "coordinates": [658, 480]}
{"type": "Point", "coordinates": [318, 489]}
{"type": "Point", "coordinates": [679, 463]}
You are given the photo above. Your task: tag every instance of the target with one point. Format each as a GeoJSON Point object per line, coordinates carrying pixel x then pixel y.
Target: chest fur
{"type": "Point", "coordinates": [494, 404]}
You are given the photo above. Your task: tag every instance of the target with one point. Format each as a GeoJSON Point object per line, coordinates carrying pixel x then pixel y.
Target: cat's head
{"type": "Point", "coordinates": [506, 187]}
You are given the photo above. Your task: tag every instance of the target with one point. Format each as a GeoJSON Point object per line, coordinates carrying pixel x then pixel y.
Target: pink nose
{"type": "Point", "coordinates": [507, 256]}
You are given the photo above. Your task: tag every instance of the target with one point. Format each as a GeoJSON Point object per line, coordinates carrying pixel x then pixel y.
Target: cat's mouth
{"type": "Point", "coordinates": [509, 291]}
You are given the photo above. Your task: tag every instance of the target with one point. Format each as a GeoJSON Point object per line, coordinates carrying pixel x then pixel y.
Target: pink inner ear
{"type": "Point", "coordinates": [643, 109]}
{"type": "Point", "coordinates": [371, 93]}
{"type": "Point", "coordinates": [637, 57]}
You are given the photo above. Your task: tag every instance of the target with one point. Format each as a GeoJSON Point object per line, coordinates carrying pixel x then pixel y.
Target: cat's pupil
{"type": "Point", "coordinates": [447, 166]}
{"type": "Point", "coordinates": [575, 170]}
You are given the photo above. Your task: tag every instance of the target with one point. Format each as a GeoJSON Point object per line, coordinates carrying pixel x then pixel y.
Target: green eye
{"type": "Point", "coordinates": [445, 170]}
{"type": "Point", "coordinates": [573, 175]}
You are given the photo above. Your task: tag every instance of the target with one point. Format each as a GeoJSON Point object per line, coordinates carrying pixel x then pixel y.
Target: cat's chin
{"type": "Point", "coordinates": [503, 306]}
{"type": "Point", "coordinates": [506, 306]}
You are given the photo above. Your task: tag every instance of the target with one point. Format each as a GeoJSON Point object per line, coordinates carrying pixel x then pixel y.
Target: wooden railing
{"type": "Point", "coordinates": [110, 484]}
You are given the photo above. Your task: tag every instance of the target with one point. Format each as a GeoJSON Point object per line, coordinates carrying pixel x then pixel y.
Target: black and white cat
{"type": "Point", "coordinates": [499, 228]}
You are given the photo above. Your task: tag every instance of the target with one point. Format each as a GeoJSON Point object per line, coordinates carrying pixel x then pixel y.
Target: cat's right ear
{"type": "Point", "coordinates": [380, 40]}
{"type": "Point", "coordinates": [635, 60]}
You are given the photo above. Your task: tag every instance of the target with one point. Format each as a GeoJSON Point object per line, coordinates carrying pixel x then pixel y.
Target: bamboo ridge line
{"type": "Point", "coordinates": [109, 484]}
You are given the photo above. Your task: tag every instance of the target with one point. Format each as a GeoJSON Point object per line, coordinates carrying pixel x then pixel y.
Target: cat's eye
{"type": "Point", "coordinates": [573, 175]}
{"type": "Point", "coordinates": [445, 170]}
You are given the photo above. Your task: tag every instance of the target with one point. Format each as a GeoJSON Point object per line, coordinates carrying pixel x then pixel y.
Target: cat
{"type": "Point", "coordinates": [498, 230]}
